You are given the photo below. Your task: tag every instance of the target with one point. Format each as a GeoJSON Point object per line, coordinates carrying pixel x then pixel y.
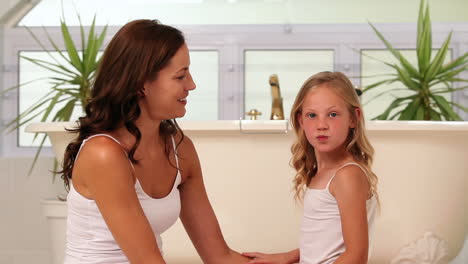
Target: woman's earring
{"type": "Point", "coordinates": [141, 93]}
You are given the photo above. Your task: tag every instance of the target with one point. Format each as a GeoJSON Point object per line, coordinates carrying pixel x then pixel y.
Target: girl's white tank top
{"type": "Point", "coordinates": [321, 238]}
{"type": "Point", "coordinates": [89, 240]}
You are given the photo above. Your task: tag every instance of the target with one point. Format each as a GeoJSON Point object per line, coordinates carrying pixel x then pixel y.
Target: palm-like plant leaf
{"type": "Point", "coordinates": [383, 93]}
{"type": "Point", "coordinates": [71, 48]}
{"type": "Point", "coordinates": [410, 111]}
{"type": "Point", "coordinates": [395, 104]}
{"type": "Point", "coordinates": [424, 39]}
{"type": "Point", "coordinates": [49, 66]}
{"type": "Point", "coordinates": [460, 61]}
{"type": "Point", "coordinates": [445, 108]}
{"type": "Point", "coordinates": [404, 62]}
{"type": "Point", "coordinates": [436, 64]}
{"type": "Point", "coordinates": [459, 106]}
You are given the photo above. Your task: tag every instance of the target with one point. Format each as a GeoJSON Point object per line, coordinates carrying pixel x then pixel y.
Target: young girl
{"type": "Point", "coordinates": [333, 158]}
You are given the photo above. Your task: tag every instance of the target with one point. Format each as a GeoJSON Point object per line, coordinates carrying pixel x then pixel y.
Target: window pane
{"type": "Point", "coordinates": [372, 66]}
{"type": "Point", "coordinates": [202, 103]}
{"type": "Point", "coordinates": [293, 67]}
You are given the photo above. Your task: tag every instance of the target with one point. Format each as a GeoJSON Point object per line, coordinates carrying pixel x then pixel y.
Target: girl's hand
{"type": "Point", "coordinates": [261, 258]}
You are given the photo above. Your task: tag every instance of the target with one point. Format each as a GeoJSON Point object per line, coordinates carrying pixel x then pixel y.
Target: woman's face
{"type": "Point", "coordinates": [166, 96]}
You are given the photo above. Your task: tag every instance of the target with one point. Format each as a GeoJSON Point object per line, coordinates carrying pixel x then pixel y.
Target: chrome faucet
{"type": "Point", "coordinates": [277, 112]}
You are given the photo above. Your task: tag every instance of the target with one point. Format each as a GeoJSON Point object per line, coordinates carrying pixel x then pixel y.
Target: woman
{"type": "Point", "coordinates": [131, 172]}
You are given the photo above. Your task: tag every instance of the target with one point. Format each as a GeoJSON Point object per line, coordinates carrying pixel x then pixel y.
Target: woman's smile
{"type": "Point", "coordinates": [183, 100]}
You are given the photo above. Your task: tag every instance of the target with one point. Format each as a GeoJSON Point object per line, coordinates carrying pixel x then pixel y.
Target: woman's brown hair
{"type": "Point", "coordinates": [136, 54]}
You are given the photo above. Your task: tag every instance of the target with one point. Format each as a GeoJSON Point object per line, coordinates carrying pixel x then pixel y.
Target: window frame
{"type": "Point", "coordinates": [231, 42]}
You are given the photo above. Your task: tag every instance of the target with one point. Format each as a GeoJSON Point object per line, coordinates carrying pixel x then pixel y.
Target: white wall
{"type": "Point", "coordinates": [23, 230]}
{"type": "Point", "coordinates": [250, 11]}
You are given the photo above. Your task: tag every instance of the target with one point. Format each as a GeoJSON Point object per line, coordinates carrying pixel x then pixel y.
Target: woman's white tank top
{"type": "Point", "coordinates": [89, 240]}
{"type": "Point", "coordinates": [321, 238]}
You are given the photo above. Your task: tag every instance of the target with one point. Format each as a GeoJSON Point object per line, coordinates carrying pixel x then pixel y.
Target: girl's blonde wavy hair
{"type": "Point", "coordinates": [303, 159]}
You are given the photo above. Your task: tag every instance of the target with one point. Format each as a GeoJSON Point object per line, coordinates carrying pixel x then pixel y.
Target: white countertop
{"type": "Point", "coordinates": [277, 126]}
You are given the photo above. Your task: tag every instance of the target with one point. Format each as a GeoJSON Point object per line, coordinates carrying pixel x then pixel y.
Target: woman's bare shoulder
{"type": "Point", "coordinates": [185, 145]}
{"type": "Point", "coordinates": [101, 154]}
{"type": "Point", "coordinates": [188, 157]}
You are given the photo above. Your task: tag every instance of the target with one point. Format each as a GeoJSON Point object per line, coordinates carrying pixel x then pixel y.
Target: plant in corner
{"type": "Point", "coordinates": [425, 101]}
{"type": "Point", "coordinates": [70, 84]}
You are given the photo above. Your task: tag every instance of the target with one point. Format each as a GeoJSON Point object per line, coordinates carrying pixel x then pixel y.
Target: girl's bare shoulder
{"type": "Point", "coordinates": [350, 179]}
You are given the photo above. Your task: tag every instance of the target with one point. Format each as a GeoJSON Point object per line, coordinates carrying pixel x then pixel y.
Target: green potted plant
{"type": "Point", "coordinates": [425, 101]}
{"type": "Point", "coordinates": [70, 84]}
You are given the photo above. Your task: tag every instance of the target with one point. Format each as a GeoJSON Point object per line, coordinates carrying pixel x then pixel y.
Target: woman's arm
{"type": "Point", "coordinates": [198, 216]}
{"type": "Point", "coordinates": [289, 257]}
{"type": "Point", "coordinates": [104, 173]}
{"type": "Point", "coordinates": [350, 188]}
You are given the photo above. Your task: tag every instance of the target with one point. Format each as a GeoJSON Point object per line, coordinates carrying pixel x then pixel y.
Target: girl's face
{"type": "Point", "coordinates": [166, 96]}
{"type": "Point", "coordinates": [325, 119]}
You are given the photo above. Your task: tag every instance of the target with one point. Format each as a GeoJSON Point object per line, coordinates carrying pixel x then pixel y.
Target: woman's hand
{"type": "Point", "coordinates": [278, 258]}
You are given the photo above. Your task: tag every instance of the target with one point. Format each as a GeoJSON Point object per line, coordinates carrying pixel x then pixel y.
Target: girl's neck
{"type": "Point", "coordinates": [335, 158]}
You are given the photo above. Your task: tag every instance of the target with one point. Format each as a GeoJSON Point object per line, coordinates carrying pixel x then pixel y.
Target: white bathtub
{"type": "Point", "coordinates": [422, 168]}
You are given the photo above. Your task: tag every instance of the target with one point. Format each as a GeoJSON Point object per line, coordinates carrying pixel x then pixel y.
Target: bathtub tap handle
{"type": "Point", "coordinates": [253, 113]}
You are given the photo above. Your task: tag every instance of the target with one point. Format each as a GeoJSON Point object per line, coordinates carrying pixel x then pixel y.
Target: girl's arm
{"type": "Point", "coordinates": [350, 188]}
{"type": "Point", "coordinates": [197, 214]}
{"type": "Point", "coordinates": [279, 258]}
{"type": "Point", "coordinates": [103, 173]}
